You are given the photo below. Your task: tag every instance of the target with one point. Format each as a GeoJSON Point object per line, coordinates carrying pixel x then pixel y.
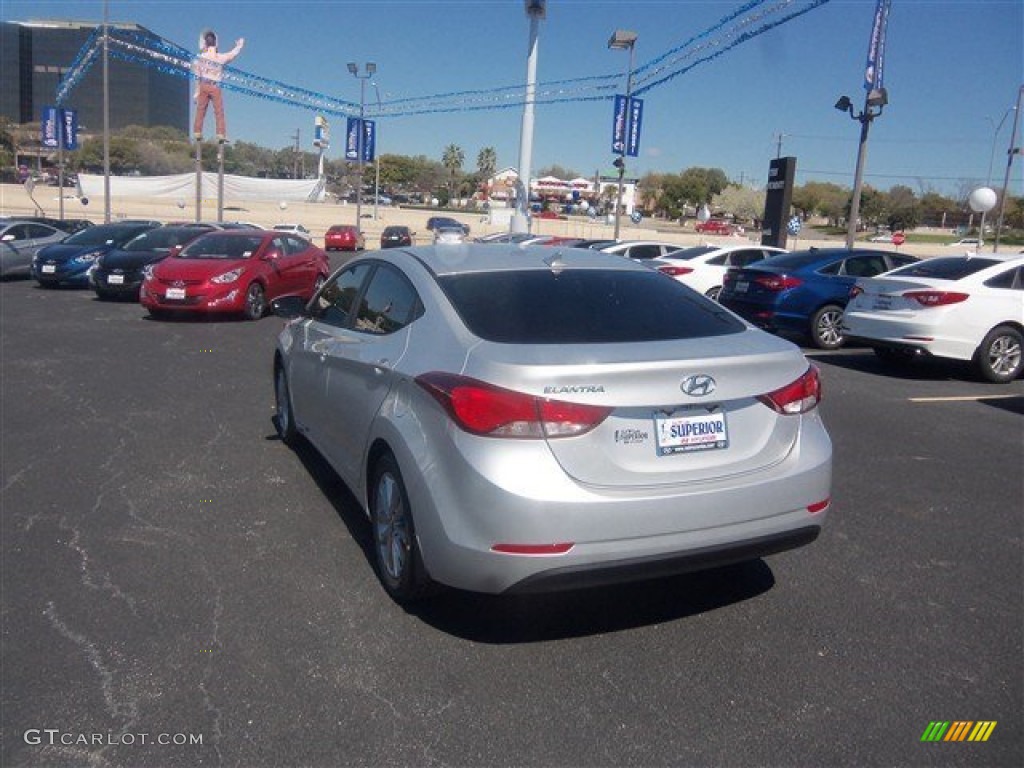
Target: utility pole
{"type": "Point", "coordinates": [295, 160]}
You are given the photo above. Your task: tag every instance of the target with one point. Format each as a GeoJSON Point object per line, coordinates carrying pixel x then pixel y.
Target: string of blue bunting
{"type": "Point", "coordinates": [134, 47]}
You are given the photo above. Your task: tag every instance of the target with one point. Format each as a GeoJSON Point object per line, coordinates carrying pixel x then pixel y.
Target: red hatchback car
{"type": "Point", "coordinates": [236, 271]}
{"type": "Point", "coordinates": [718, 227]}
{"type": "Point", "coordinates": [344, 237]}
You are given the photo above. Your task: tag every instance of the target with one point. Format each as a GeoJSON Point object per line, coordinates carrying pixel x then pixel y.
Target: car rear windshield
{"type": "Point", "coordinates": [946, 268]}
{"type": "Point", "coordinates": [691, 253]}
{"type": "Point", "coordinates": [583, 307]}
{"type": "Point", "coordinates": [222, 247]}
{"type": "Point", "coordinates": [792, 260]}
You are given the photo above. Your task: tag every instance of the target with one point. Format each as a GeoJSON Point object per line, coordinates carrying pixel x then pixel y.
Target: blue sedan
{"type": "Point", "coordinates": [804, 292]}
{"type": "Point", "coordinates": [69, 262]}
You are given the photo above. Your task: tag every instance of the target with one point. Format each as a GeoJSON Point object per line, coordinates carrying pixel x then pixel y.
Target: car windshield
{"type": "Point", "coordinates": [101, 235]}
{"type": "Point", "coordinates": [160, 239]}
{"type": "Point", "coordinates": [391, 231]}
{"type": "Point", "coordinates": [945, 268]}
{"type": "Point", "coordinates": [690, 253]}
{"type": "Point", "coordinates": [228, 247]}
{"type": "Point", "coordinates": [583, 307]}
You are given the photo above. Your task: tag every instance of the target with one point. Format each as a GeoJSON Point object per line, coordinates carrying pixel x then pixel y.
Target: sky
{"type": "Point", "coordinates": [953, 69]}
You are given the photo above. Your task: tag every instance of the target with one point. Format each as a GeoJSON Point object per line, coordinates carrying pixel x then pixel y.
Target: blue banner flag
{"type": "Point", "coordinates": [49, 131]}
{"type": "Point", "coordinates": [352, 139]}
{"type": "Point", "coordinates": [619, 125]}
{"type": "Point", "coordinates": [70, 118]}
{"type": "Point", "coordinates": [369, 140]}
{"type": "Point", "coordinates": [876, 48]}
{"type": "Point", "coordinates": [636, 118]}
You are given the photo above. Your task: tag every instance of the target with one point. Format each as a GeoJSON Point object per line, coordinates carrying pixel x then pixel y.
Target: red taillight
{"type": "Point", "coordinates": [533, 549]}
{"type": "Point", "coordinates": [776, 283]}
{"type": "Point", "coordinates": [801, 396]}
{"type": "Point", "coordinates": [818, 506]}
{"type": "Point", "coordinates": [856, 291]}
{"type": "Point", "coordinates": [484, 409]}
{"type": "Point", "coordinates": [676, 271]}
{"type": "Point", "coordinates": [936, 298]}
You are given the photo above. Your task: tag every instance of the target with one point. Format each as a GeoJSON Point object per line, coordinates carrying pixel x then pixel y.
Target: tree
{"type": "Point", "coordinates": [700, 185]}
{"type": "Point", "coordinates": [452, 160]}
{"type": "Point", "coordinates": [742, 202]}
{"type": "Point", "coordinates": [558, 172]}
{"type": "Point", "coordinates": [486, 163]}
{"type": "Point", "coordinates": [903, 208]}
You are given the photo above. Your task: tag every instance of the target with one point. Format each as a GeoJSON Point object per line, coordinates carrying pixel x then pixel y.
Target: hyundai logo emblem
{"type": "Point", "coordinates": [698, 385]}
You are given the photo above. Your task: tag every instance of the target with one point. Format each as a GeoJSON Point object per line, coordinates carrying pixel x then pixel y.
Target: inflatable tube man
{"type": "Point", "coordinates": [208, 68]}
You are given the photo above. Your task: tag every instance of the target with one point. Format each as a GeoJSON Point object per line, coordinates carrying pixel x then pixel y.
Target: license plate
{"type": "Point", "coordinates": [742, 286]}
{"type": "Point", "coordinates": [693, 429]}
{"type": "Point", "coordinates": [175, 293]}
{"type": "Point", "coordinates": [49, 269]}
{"type": "Point", "coordinates": [116, 279]}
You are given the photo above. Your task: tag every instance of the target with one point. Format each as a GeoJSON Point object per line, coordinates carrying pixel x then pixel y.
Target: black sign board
{"type": "Point", "coordinates": [781, 172]}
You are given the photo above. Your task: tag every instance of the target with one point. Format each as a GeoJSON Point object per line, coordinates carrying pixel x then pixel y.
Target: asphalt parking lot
{"type": "Point", "coordinates": [172, 573]}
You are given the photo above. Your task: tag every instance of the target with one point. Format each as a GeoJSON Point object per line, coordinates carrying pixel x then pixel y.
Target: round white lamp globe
{"type": "Point", "coordinates": [982, 200]}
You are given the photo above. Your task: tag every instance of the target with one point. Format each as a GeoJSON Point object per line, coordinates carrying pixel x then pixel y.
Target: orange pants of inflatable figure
{"type": "Point", "coordinates": [210, 92]}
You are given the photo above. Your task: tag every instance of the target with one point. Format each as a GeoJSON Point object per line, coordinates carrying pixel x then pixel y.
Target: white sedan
{"type": "Point", "coordinates": [703, 267]}
{"type": "Point", "coordinates": [955, 307]}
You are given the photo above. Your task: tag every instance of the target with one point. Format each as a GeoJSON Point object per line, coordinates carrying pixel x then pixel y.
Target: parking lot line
{"type": "Point", "coordinates": [962, 398]}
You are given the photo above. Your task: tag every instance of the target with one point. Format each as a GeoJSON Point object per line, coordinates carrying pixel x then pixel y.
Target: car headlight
{"type": "Point", "coordinates": [90, 256]}
{"type": "Point", "coordinates": [228, 277]}
{"type": "Point", "coordinates": [147, 272]}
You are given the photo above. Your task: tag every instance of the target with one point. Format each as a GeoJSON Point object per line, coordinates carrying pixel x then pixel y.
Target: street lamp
{"type": "Point", "coordinates": [376, 156]}
{"type": "Point", "coordinates": [370, 69]}
{"type": "Point", "coordinates": [874, 103]}
{"type": "Point", "coordinates": [623, 39]}
{"type": "Point", "coordinates": [536, 10]}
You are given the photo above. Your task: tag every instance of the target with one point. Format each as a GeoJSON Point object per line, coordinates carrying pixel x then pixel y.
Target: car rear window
{"type": "Point", "coordinates": [946, 268]}
{"type": "Point", "coordinates": [793, 260]}
{"type": "Point", "coordinates": [691, 253]}
{"type": "Point", "coordinates": [583, 307]}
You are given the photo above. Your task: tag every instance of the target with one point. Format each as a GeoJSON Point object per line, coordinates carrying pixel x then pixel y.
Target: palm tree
{"type": "Point", "coordinates": [452, 159]}
{"type": "Point", "coordinates": [486, 162]}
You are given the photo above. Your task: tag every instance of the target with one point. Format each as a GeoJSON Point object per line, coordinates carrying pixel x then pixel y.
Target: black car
{"type": "Point", "coordinates": [120, 272]}
{"type": "Point", "coordinates": [446, 222]}
{"type": "Point", "coordinates": [395, 237]}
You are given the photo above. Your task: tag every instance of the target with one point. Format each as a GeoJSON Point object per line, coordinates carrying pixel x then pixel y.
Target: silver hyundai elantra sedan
{"type": "Point", "coordinates": [520, 418]}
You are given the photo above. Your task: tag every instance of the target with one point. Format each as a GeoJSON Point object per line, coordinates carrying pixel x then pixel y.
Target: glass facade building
{"type": "Point", "coordinates": [35, 55]}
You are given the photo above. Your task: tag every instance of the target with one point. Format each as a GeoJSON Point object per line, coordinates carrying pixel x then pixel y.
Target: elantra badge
{"type": "Point", "coordinates": [698, 385]}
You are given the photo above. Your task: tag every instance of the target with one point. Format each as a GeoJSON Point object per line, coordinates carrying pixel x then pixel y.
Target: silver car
{"type": "Point", "coordinates": [517, 419]}
{"type": "Point", "coordinates": [20, 241]}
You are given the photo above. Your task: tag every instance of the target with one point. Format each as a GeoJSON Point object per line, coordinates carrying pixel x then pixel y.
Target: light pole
{"type": "Point", "coordinates": [874, 103]}
{"type": "Point", "coordinates": [995, 137]}
{"type": "Point", "coordinates": [370, 69]}
{"type": "Point", "coordinates": [536, 10]}
{"type": "Point", "coordinates": [376, 156]}
{"type": "Point", "coordinates": [1013, 150]}
{"type": "Point", "coordinates": [106, 115]}
{"type": "Point", "coordinates": [621, 40]}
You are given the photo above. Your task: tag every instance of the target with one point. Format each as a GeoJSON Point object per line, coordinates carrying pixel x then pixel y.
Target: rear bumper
{"type": "Point", "coordinates": [908, 333]}
{"type": "Point", "coordinates": [643, 568]}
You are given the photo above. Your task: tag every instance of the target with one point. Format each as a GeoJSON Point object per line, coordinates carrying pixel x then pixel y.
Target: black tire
{"type": "Point", "coordinates": [48, 285]}
{"type": "Point", "coordinates": [255, 302]}
{"type": "Point", "coordinates": [712, 293]}
{"type": "Point", "coordinates": [998, 359]}
{"type": "Point", "coordinates": [105, 296]}
{"type": "Point", "coordinates": [826, 332]}
{"type": "Point", "coordinates": [157, 314]}
{"type": "Point", "coordinates": [284, 415]}
{"type": "Point", "coordinates": [395, 552]}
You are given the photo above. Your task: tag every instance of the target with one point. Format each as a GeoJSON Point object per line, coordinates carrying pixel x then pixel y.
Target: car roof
{"type": "Point", "coordinates": [470, 257]}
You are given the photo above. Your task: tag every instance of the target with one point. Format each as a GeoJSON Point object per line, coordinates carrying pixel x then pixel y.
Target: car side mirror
{"type": "Point", "coordinates": [272, 255]}
{"type": "Point", "coordinates": [174, 250]}
{"type": "Point", "coordinates": [288, 307]}
{"type": "Point", "coordinates": [6, 238]}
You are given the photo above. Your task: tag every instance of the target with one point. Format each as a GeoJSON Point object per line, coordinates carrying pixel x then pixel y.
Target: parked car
{"type": "Point", "coordinates": [717, 226]}
{"type": "Point", "coordinates": [881, 237]}
{"type": "Point", "coordinates": [295, 229]}
{"type": "Point", "coordinates": [503, 435]}
{"type": "Point", "coordinates": [237, 271]}
{"type": "Point", "coordinates": [440, 222]}
{"type": "Point", "coordinates": [20, 241]}
{"type": "Point", "coordinates": [396, 236]}
{"type": "Point", "coordinates": [505, 237]}
{"type": "Point", "coordinates": [971, 243]}
{"type": "Point", "coordinates": [120, 272]}
{"type": "Point", "coordinates": [804, 292]}
{"type": "Point", "coordinates": [69, 261]}
{"type": "Point", "coordinates": [640, 249]}
{"type": "Point", "coordinates": [703, 267]}
{"type": "Point", "coordinates": [69, 226]}
{"type": "Point", "coordinates": [957, 307]}
{"type": "Point", "coordinates": [344, 237]}
{"type": "Point", "coordinates": [449, 235]}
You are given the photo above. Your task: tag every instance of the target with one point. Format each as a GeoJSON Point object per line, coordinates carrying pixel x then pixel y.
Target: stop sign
{"type": "Point", "coordinates": [898, 238]}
